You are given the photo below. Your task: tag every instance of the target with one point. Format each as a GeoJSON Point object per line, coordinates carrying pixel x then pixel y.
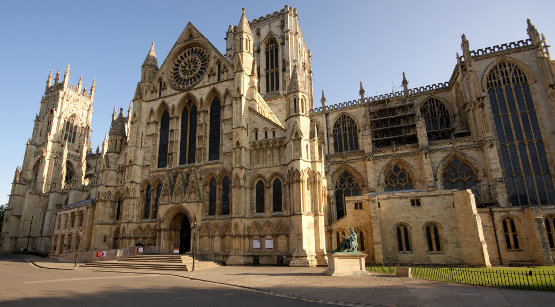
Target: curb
{"type": "Point", "coordinates": [33, 263]}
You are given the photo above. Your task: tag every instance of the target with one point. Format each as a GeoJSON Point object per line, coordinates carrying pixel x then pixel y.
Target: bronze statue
{"type": "Point", "coordinates": [349, 244]}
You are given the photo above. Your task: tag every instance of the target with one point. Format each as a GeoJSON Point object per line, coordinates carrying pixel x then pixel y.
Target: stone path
{"type": "Point", "coordinates": [309, 284]}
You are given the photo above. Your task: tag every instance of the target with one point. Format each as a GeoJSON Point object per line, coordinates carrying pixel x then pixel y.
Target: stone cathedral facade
{"type": "Point", "coordinates": [226, 154]}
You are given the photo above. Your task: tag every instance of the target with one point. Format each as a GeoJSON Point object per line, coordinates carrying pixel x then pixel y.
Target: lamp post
{"type": "Point", "coordinates": [194, 235]}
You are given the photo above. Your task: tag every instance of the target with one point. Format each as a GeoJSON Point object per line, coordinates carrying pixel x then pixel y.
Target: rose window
{"type": "Point", "coordinates": [189, 67]}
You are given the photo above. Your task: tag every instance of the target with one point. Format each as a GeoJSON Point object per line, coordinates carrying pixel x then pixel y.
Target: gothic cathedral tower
{"type": "Point", "coordinates": [53, 167]}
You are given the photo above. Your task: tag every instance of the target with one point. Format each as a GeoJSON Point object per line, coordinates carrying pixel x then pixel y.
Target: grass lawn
{"type": "Point", "coordinates": [532, 278]}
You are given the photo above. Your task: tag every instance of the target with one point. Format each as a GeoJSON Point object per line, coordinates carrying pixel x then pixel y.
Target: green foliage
{"type": "Point", "coordinates": [390, 270]}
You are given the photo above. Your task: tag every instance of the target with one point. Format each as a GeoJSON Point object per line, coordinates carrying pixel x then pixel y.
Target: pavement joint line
{"type": "Point", "coordinates": [253, 289]}
{"type": "Point", "coordinates": [30, 261]}
{"type": "Point", "coordinates": [79, 279]}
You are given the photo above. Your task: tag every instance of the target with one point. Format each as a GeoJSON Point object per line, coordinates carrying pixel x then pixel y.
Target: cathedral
{"type": "Point", "coordinates": [225, 155]}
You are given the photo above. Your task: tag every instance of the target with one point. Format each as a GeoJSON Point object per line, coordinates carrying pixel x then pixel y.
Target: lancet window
{"type": "Point", "coordinates": [345, 135]}
{"type": "Point", "coordinates": [187, 145]}
{"type": "Point", "coordinates": [259, 196]}
{"type": "Point", "coordinates": [345, 186]}
{"type": "Point", "coordinates": [272, 67]}
{"type": "Point", "coordinates": [157, 200]}
{"type": "Point", "coordinates": [212, 197]}
{"type": "Point", "coordinates": [118, 209]}
{"type": "Point", "coordinates": [70, 130]}
{"type": "Point", "coordinates": [403, 238]}
{"type": "Point", "coordinates": [432, 237]}
{"type": "Point", "coordinates": [164, 137]}
{"type": "Point", "coordinates": [214, 134]}
{"type": "Point", "coordinates": [550, 228]}
{"type": "Point", "coordinates": [511, 235]}
{"type": "Point", "coordinates": [146, 212]}
{"type": "Point", "coordinates": [398, 179]}
{"type": "Point", "coordinates": [277, 200]}
{"type": "Point", "coordinates": [437, 118]}
{"type": "Point", "coordinates": [527, 176]}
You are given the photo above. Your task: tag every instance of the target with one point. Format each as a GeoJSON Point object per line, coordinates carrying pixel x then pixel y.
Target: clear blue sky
{"type": "Point", "coordinates": [350, 41]}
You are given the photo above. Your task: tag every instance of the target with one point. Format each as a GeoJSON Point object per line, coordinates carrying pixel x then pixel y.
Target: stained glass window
{"type": "Point", "coordinates": [157, 200]}
{"type": "Point", "coordinates": [277, 197]}
{"type": "Point", "coordinates": [259, 196]}
{"type": "Point", "coordinates": [226, 196]}
{"type": "Point", "coordinates": [458, 175]}
{"type": "Point", "coordinates": [438, 121]}
{"type": "Point", "coordinates": [345, 186]}
{"type": "Point", "coordinates": [164, 136]}
{"type": "Point", "coordinates": [345, 136]}
{"type": "Point", "coordinates": [146, 213]}
{"type": "Point", "coordinates": [187, 145]}
{"type": "Point", "coordinates": [214, 145]}
{"type": "Point", "coordinates": [272, 67]}
{"type": "Point", "coordinates": [398, 179]}
{"type": "Point", "coordinates": [511, 236]}
{"type": "Point", "coordinates": [212, 197]}
{"type": "Point", "coordinates": [527, 175]}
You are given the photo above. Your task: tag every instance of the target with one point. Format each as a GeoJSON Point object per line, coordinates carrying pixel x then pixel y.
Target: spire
{"type": "Point", "coordinates": [243, 24]}
{"type": "Point", "coordinates": [80, 83]}
{"type": "Point", "coordinates": [151, 57]}
{"type": "Point", "coordinates": [532, 32]}
{"type": "Point", "coordinates": [323, 101]}
{"type": "Point", "coordinates": [85, 89]}
{"type": "Point", "coordinates": [66, 75]}
{"type": "Point", "coordinates": [120, 112]}
{"type": "Point", "coordinates": [93, 88]}
{"type": "Point", "coordinates": [405, 84]}
{"type": "Point", "coordinates": [57, 79]}
{"type": "Point", "coordinates": [361, 93]}
{"type": "Point", "coordinates": [465, 48]}
{"type": "Point", "coordinates": [114, 114]}
{"type": "Point", "coordinates": [49, 80]}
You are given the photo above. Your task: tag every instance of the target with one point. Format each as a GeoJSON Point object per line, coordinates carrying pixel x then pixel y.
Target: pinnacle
{"type": "Point", "coordinates": [243, 23]}
{"type": "Point", "coordinates": [151, 57]}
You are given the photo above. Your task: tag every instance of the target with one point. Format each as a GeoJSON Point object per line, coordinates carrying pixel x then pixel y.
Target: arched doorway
{"type": "Point", "coordinates": [181, 228]}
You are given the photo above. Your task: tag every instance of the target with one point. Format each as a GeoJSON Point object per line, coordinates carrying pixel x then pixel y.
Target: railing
{"type": "Point", "coordinates": [514, 278]}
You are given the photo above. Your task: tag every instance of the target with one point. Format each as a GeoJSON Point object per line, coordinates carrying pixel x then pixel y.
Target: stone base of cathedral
{"type": "Point", "coordinates": [236, 259]}
{"type": "Point", "coordinates": [346, 264]}
{"type": "Point", "coordinates": [302, 260]}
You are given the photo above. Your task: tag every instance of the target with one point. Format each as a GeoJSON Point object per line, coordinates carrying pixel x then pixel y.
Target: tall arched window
{"type": "Point", "coordinates": [146, 212]}
{"type": "Point", "coordinates": [346, 185]}
{"type": "Point", "coordinates": [187, 145]}
{"type": "Point", "coordinates": [345, 135]}
{"type": "Point", "coordinates": [214, 136]}
{"type": "Point", "coordinates": [277, 203]}
{"type": "Point", "coordinates": [527, 175]}
{"type": "Point", "coordinates": [118, 209]}
{"type": "Point", "coordinates": [550, 228]}
{"type": "Point", "coordinates": [212, 197]}
{"type": "Point", "coordinates": [361, 241]}
{"type": "Point", "coordinates": [157, 200]}
{"type": "Point", "coordinates": [438, 120]}
{"type": "Point", "coordinates": [432, 237]}
{"type": "Point", "coordinates": [259, 196]}
{"type": "Point", "coordinates": [226, 201]}
{"type": "Point", "coordinates": [511, 235]}
{"type": "Point", "coordinates": [272, 67]}
{"type": "Point", "coordinates": [164, 136]}
{"type": "Point", "coordinates": [403, 238]}
{"type": "Point", "coordinates": [398, 179]}
{"type": "Point", "coordinates": [458, 175]}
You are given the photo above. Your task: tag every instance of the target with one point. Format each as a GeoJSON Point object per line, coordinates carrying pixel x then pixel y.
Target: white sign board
{"type": "Point", "coordinates": [141, 250]}
{"type": "Point", "coordinates": [255, 243]}
{"type": "Point", "coordinates": [269, 244]}
{"type": "Point", "coordinates": [176, 250]}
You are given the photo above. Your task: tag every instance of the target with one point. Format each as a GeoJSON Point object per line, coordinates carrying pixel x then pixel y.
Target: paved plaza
{"type": "Point", "coordinates": [42, 282]}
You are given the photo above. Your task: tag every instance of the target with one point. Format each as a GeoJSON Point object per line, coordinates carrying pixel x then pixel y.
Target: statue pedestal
{"type": "Point", "coordinates": [344, 264]}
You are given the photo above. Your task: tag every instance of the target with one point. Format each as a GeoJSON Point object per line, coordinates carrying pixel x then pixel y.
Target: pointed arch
{"type": "Point", "coordinates": [148, 196]}
{"type": "Point", "coordinates": [398, 175]}
{"type": "Point", "coordinates": [214, 128]}
{"type": "Point", "coordinates": [226, 195]}
{"type": "Point", "coordinates": [271, 53]}
{"type": "Point", "coordinates": [345, 185]}
{"type": "Point", "coordinates": [277, 197]}
{"type": "Point", "coordinates": [525, 162]}
{"type": "Point", "coordinates": [163, 139]}
{"type": "Point", "coordinates": [437, 118]}
{"type": "Point", "coordinates": [259, 196]}
{"type": "Point", "coordinates": [345, 134]}
{"type": "Point", "coordinates": [187, 144]}
{"type": "Point", "coordinates": [212, 186]}
{"type": "Point", "coordinates": [458, 172]}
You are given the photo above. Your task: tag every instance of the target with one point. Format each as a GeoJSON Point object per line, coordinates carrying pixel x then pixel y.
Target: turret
{"type": "Point", "coordinates": [465, 48]}
{"type": "Point", "coordinates": [66, 76]}
{"type": "Point", "coordinates": [243, 43]}
{"type": "Point", "coordinates": [49, 80]}
{"type": "Point", "coordinates": [150, 66]}
{"type": "Point", "coordinates": [323, 101]}
{"type": "Point", "coordinates": [361, 93]}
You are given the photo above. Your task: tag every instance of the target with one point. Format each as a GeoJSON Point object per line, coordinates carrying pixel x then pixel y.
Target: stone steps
{"type": "Point", "coordinates": [135, 265]}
